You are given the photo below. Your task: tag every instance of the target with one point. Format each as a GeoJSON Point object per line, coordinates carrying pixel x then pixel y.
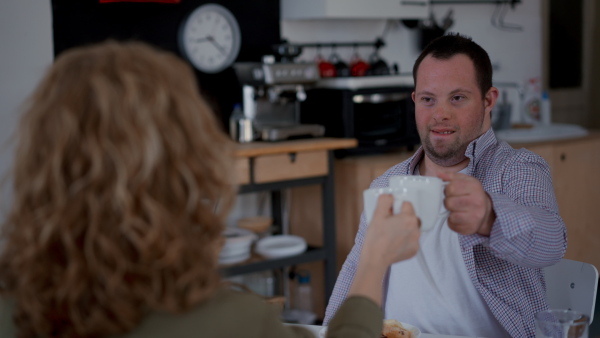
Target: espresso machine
{"type": "Point", "coordinates": [272, 93]}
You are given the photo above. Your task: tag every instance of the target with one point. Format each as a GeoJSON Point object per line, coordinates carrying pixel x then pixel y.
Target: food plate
{"type": "Point", "coordinates": [416, 333]}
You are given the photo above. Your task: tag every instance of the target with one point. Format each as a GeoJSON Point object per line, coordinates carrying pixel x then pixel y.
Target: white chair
{"type": "Point", "coordinates": [572, 285]}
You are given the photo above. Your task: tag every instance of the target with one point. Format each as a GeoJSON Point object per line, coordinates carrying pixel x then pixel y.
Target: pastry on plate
{"type": "Point", "coordinates": [394, 329]}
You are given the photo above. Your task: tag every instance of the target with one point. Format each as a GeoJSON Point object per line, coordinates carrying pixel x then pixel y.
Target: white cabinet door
{"type": "Point", "coordinates": [354, 9]}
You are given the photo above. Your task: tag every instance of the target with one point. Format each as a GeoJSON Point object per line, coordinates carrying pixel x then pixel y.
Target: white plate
{"type": "Point", "coordinates": [280, 246]}
{"type": "Point", "coordinates": [416, 333]}
{"type": "Point", "coordinates": [237, 236]}
{"type": "Point", "coordinates": [237, 245]}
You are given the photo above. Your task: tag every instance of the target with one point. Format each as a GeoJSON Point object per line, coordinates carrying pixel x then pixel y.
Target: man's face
{"type": "Point", "coordinates": [450, 110]}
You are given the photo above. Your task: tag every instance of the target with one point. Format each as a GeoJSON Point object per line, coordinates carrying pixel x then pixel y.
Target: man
{"type": "Point", "coordinates": [503, 225]}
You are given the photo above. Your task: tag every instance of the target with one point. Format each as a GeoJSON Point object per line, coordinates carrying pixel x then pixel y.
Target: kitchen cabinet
{"type": "Point", "coordinates": [575, 168]}
{"type": "Point", "coordinates": [574, 163]}
{"type": "Point", "coordinates": [354, 9]}
{"type": "Point", "coordinates": [277, 166]}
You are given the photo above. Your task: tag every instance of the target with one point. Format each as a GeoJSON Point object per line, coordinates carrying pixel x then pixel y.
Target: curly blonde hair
{"type": "Point", "coordinates": [119, 167]}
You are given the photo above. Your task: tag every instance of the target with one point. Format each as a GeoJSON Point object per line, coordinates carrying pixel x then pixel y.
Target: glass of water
{"type": "Point", "coordinates": [559, 323]}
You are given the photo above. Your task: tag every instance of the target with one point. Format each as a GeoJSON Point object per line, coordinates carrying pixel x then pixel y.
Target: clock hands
{"type": "Point", "coordinates": [211, 39]}
{"type": "Point", "coordinates": [217, 46]}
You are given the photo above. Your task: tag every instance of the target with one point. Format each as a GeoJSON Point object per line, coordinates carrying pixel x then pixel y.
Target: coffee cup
{"type": "Point", "coordinates": [370, 197]}
{"type": "Point", "coordinates": [427, 195]}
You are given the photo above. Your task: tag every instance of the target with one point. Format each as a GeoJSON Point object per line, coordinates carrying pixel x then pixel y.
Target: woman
{"type": "Point", "coordinates": [122, 182]}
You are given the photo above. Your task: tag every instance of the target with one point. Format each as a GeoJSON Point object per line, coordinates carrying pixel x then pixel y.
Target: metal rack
{"type": "Point", "coordinates": [452, 2]}
{"type": "Point", "coordinates": [325, 253]}
{"type": "Point", "coordinates": [288, 51]}
{"type": "Point", "coordinates": [377, 44]}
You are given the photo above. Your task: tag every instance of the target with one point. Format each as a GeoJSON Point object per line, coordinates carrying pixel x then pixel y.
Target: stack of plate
{"type": "Point", "coordinates": [237, 247]}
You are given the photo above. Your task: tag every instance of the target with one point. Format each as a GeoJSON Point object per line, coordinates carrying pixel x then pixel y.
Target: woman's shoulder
{"type": "Point", "coordinates": [226, 313]}
{"type": "Point", "coordinates": [7, 325]}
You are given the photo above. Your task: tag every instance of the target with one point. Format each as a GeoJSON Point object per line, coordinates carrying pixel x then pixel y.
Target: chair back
{"type": "Point", "coordinates": [572, 285]}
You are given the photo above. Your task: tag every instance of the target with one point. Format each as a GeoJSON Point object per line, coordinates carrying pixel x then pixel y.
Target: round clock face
{"type": "Point", "coordinates": [210, 38]}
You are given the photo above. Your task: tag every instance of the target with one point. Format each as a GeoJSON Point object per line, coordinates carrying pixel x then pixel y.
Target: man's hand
{"type": "Point", "coordinates": [469, 205]}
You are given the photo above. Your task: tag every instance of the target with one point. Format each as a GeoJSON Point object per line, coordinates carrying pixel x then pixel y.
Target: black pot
{"type": "Point", "coordinates": [378, 66]}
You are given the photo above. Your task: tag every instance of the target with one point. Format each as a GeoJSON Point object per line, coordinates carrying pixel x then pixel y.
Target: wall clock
{"type": "Point", "coordinates": [210, 38]}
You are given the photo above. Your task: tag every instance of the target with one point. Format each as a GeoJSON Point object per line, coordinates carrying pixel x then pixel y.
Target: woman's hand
{"type": "Point", "coordinates": [390, 238]}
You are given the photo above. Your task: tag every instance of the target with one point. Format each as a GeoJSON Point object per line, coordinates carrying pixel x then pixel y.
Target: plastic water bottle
{"type": "Point", "coordinates": [304, 292]}
{"type": "Point", "coordinates": [546, 109]}
{"type": "Point", "coordinates": [302, 311]}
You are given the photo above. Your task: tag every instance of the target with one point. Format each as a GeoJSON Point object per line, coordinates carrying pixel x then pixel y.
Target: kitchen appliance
{"type": "Point", "coordinates": [272, 93]}
{"type": "Point", "coordinates": [378, 111]}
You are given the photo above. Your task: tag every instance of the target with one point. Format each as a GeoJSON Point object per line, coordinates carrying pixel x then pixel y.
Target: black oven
{"type": "Point", "coordinates": [380, 118]}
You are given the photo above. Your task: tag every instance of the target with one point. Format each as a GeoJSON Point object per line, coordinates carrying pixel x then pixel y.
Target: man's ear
{"type": "Point", "coordinates": [413, 96]}
{"type": "Point", "coordinates": [489, 101]}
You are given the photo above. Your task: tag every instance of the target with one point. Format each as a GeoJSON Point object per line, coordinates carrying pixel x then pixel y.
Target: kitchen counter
{"type": "Point", "coordinates": [550, 132]}
{"type": "Point", "coordinates": [590, 135]}
{"type": "Point", "coordinates": [281, 147]}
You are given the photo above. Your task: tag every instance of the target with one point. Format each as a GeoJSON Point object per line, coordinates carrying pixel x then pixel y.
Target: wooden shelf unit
{"type": "Point", "coordinates": [276, 166]}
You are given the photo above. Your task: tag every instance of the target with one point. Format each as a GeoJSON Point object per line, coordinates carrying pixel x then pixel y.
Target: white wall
{"type": "Point", "coordinates": [26, 52]}
{"type": "Point", "coordinates": [516, 55]}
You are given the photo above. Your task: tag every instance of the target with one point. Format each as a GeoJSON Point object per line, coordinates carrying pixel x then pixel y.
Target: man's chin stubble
{"type": "Point", "coordinates": [448, 158]}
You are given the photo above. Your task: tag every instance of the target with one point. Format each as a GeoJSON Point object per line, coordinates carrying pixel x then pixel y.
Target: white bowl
{"type": "Point", "coordinates": [280, 246]}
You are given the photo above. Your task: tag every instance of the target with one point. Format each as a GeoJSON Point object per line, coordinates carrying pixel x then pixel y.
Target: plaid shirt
{"type": "Point", "coordinates": [528, 234]}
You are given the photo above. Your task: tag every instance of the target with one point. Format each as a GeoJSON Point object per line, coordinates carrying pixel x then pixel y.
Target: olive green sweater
{"type": "Point", "coordinates": [231, 314]}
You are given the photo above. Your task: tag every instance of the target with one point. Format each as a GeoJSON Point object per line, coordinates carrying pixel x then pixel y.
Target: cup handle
{"type": "Point", "coordinates": [444, 214]}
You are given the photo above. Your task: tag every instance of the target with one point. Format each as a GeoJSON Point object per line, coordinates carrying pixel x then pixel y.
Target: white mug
{"type": "Point", "coordinates": [428, 195]}
{"type": "Point", "coordinates": [370, 197]}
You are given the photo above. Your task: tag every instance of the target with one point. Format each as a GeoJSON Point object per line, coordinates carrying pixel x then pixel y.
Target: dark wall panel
{"type": "Point", "coordinates": [566, 43]}
{"type": "Point", "coordinates": [82, 22]}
